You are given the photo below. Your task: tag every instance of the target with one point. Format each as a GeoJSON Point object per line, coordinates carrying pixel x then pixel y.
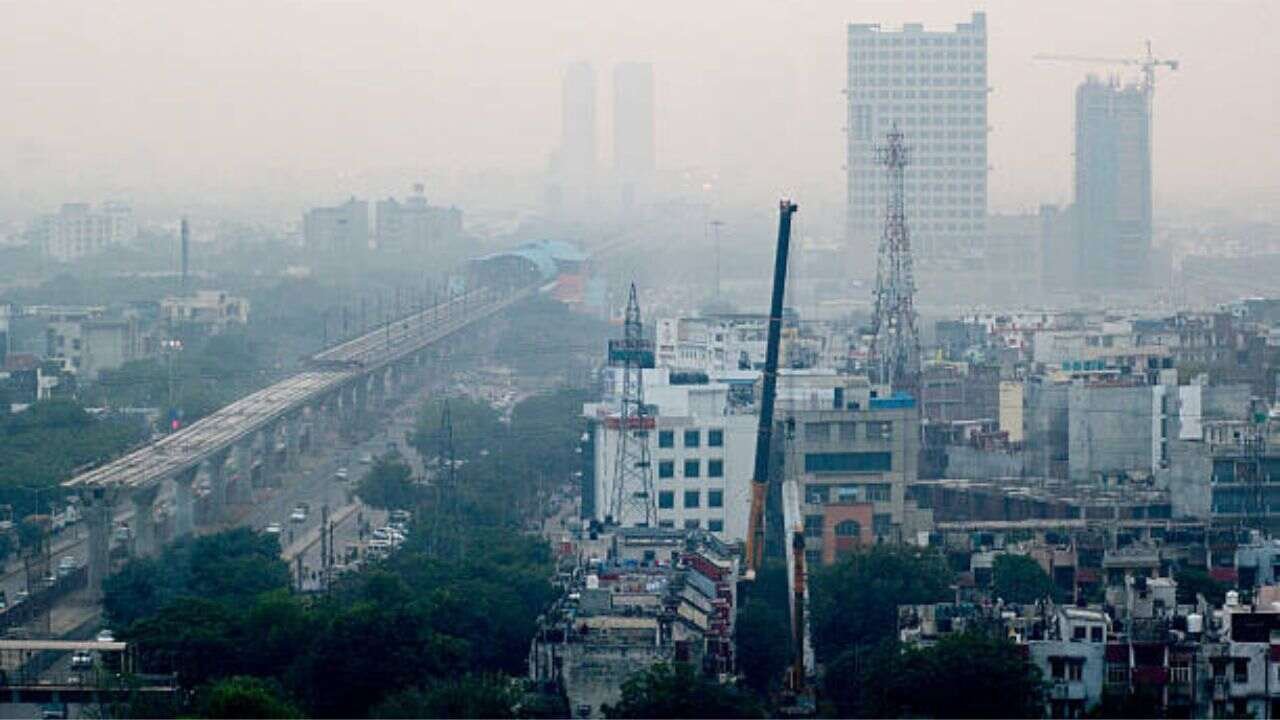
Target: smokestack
{"type": "Point", "coordinates": [186, 251]}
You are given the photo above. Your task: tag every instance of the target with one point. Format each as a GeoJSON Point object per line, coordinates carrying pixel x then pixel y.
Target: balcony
{"type": "Point", "coordinates": [1067, 690]}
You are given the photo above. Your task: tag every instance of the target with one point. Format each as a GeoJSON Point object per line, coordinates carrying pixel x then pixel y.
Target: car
{"type": "Point", "coordinates": [366, 459]}
{"type": "Point", "coordinates": [299, 515]}
{"type": "Point", "coordinates": [400, 516]}
{"type": "Point", "coordinates": [105, 635]}
{"type": "Point", "coordinates": [272, 529]}
{"type": "Point", "coordinates": [66, 566]}
{"type": "Point", "coordinates": [81, 659]}
{"type": "Point", "coordinates": [341, 474]}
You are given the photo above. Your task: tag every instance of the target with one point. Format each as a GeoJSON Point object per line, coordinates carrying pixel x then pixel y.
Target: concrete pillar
{"type": "Point", "coordinates": [242, 492]}
{"type": "Point", "coordinates": [217, 469]}
{"type": "Point", "coordinates": [144, 519]}
{"type": "Point", "coordinates": [361, 394]}
{"type": "Point", "coordinates": [99, 504]}
{"type": "Point", "coordinates": [292, 429]}
{"type": "Point", "coordinates": [184, 511]}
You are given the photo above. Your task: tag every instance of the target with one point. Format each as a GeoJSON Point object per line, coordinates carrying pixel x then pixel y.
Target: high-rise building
{"type": "Point", "coordinates": [77, 231]}
{"type": "Point", "coordinates": [339, 229]}
{"type": "Point", "coordinates": [415, 226]}
{"type": "Point", "coordinates": [578, 126]}
{"type": "Point", "coordinates": [1112, 184]}
{"type": "Point", "coordinates": [633, 128]}
{"type": "Point", "coordinates": [933, 86]}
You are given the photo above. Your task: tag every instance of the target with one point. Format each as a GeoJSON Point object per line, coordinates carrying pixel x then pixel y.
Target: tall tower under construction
{"type": "Point", "coordinates": [895, 343]}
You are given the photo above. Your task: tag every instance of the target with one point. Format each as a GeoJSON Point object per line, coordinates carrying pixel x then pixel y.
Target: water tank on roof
{"type": "Point", "coordinates": [1195, 623]}
{"type": "Point", "coordinates": [593, 582]}
{"type": "Point", "coordinates": [1233, 598]}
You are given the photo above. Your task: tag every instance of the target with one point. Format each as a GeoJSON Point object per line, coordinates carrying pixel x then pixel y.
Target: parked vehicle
{"type": "Point", "coordinates": [66, 566]}
{"type": "Point", "coordinates": [400, 516]}
{"type": "Point", "coordinates": [299, 515]}
{"type": "Point", "coordinates": [272, 529]}
{"type": "Point", "coordinates": [341, 475]}
{"type": "Point", "coordinates": [106, 635]}
{"type": "Point", "coordinates": [81, 659]}
{"type": "Point", "coordinates": [366, 459]}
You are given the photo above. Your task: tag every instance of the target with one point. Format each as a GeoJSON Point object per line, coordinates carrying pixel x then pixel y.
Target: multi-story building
{"type": "Point", "coordinates": [1113, 184]}
{"type": "Point", "coordinates": [633, 129]}
{"type": "Point", "coordinates": [413, 226]}
{"type": "Point", "coordinates": [701, 450]}
{"type": "Point", "coordinates": [933, 87]}
{"type": "Point", "coordinates": [852, 457]}
{"type": "Point", "coordinates": [207, 312]}
{"type": "Point", "coordinates": [712, 344]}
{"type": "Point", "coordinates": [76, 231]}
{"type": "Point", "coordinates": [339, 229]}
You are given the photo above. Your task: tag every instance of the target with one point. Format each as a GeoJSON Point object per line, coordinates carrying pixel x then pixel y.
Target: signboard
{"type": "Point", "coordinates": [636, 352]}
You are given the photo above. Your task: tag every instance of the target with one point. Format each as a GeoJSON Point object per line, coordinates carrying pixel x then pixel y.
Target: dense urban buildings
{"type": "Point", "coordinates": [931, 85]}
{"type": "Point", "coordinates": [339, 229]}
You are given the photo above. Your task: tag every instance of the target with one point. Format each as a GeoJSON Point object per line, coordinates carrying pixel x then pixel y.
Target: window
{"type": "Point", "coordinates": [846, 494]}
{"type": "Point", "coordinates": [692, 438]}
{"type": "Point", "coordinates": [817, 432]}
{"type": "Point", "coordinates": [715, 498]}
{"type": "Point", "coordinates": [1095, 633]}
{"type": "Point", "coordinates": [1240, 670]}
{"type": "Point", "coordinates": [692, 468]}
{"type": "Point", "coordinates": [848, 528]}
{"type": "Point", "coordinates": [881, 523]}
{"type": "Point", "coordinates": [812, 558]}
{"type": "Point", "coordinates": [715, 468]}
{"type": "Point", "coordinates": [715, 438]}
{"type": "Point", "coordinates": [1075, 669]}
{"type": "Point", "coordinates": [1117, 673]}
{"type": "Point", "coordinates": [666, 524]}
{"type": "Point", "coordinates": [692, 524]}
{"type": "Point", "coordinates": [666, 438]}
{"type": "Point", "coordinates": [1079, 633]}
{"type": "Point", "coordinates": [715, 525]}
{"type": "Point", "coordinates": [666, 468]}
{"type": "Point", "coordinates": [877, 492]}
{"type": "Point", "coordinates": [692, 498]}
{"type": "Point", "coordinates": [666, 500]}
{"type": "Point", "coordinates": [848, 462]}
{"type": "Point", "coordinates": [880, 430]}
{"type": "Point", "coordinates": [817, 494]}
{"type": "Point", "coordinates": [848, 432]}
{"type": "Point", "coordinates": [1057, 668]}
{"type": "Point", "coordinates": [813, 526]}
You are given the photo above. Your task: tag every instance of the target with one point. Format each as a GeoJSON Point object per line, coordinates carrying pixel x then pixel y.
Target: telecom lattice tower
{"type": "Point", "coordinates": [895, 343]}
{"type": "Point", "coordinates": [633, 496]}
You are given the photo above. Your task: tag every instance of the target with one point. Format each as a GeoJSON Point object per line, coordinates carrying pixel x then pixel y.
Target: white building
{"type": "Point", "coordinates": [208, 311]}
{"type": "Point", "coordinates": [933, 86]}
{"type": "Point", "coordinates": [338, 229]}
{"type": "Point", "coordinates": [76, 231]}
{"type": "Point", "coordinates": [702, 454]}
{"type": "Point", "coordinates": [711, 344]}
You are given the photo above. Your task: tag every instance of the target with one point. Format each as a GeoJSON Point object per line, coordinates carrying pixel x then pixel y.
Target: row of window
{"type": "Point", "coordinates": [865, 94]}
{"type": "Point", "coordinates": [868, 55]}
{"type": "Point", "coordinates": [692, 468]}
{"type": "Point", "coordinates": [815, 494]}
{"type": "Point", "coordinates": [922, 173]}
{"type": "Point", "coordinates": [693, 524]}
{"type": "Point", "coordinates": [859, 38]}
{"type": "Point", "coordinates": [866, 179]}
{"type": "Point", "coordinates": [864, 71]}
{"type": "Point", "coordinates": [846, 432]}
{"type": "Point", "coordinates": [956, 80]}
{"type": "Point", "coordinates": [692, 499]}
{"type": "Point", "coordinates": [881, 524]}
{"type": "Point", "coordinates": [692, 438]}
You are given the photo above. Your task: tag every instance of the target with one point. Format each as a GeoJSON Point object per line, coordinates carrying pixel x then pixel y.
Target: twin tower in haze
{"type": "Point", "coordinates": [579, 180]}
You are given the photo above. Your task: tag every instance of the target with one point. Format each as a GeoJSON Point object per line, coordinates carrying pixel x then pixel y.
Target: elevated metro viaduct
{"type": "Point", "coordinates": [254, 438]}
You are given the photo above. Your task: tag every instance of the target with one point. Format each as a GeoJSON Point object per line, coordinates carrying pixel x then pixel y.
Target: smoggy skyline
{"type": "Point", "coordinates": [296, 103]}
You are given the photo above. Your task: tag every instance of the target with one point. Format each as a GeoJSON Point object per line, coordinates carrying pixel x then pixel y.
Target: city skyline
{"type": "Point", "coordinates": [175, 110]}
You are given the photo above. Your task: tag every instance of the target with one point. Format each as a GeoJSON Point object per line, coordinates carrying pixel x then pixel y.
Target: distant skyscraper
{"type": "Point", "coordinates": [339, 229]}
{"type": "Point", "coordinates": [1112, 184]}
{"type": "Point", "coordinates": [633, 123]}
{"type": "Point", "coordinates": [578, 128]}
{"type": "Point", "coordinates": [933, 86]}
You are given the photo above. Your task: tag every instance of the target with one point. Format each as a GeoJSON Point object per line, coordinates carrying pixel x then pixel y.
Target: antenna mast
{"type": "Point", "coordinates": [633, 496]}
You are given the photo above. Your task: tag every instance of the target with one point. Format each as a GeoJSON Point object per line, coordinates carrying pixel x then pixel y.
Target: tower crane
{"type": "Point", "coordinates": [1148, 63]}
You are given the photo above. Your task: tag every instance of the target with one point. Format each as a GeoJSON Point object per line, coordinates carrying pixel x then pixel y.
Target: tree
{"type": "Point", "coordinates": [470, 696]}
{"type": "Point", "coordinates": [246, 697]}
{"type": "Point", "coordinates": [969, 675]}
{"type": "Point", "coordinates": [388, 485]}
{"type": "Point", "coordinates": [855, 602]}
{"type": "Point", "coordinates": [1193, 581]}
{"type": "Point", "coordinates": [1020, 579]}
{"type": "Point", "coordinates": [676, 691]}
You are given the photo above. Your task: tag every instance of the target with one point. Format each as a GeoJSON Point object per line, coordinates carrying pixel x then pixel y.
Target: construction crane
{"type": "Point", "coordinates": [1148, 63]}
{"type": "Point", "coordinates": [764, 430]}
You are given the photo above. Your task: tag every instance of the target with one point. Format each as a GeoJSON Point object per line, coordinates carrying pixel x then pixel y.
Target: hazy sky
{"type": "Point", "coordinates": [308, 100]}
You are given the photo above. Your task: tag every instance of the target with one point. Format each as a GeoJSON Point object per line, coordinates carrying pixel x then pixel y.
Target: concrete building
{"type": "Point", "coordinates": [715, 343]}
{"type": "Point", "coordinates": [853, 457]}
{"type": "Point", "coordinates": [574, 168]}
{"type": "Point", "coordinates": [413, 226]}
{"type": "Point", "coordinates": [89, 346]}
{"type": "Point", "coordinates": [339, 229]}
{"type": "Point", "coordinates": [1113, 185]}
{"type": "Point", "coordinates": [207, 312]}
{"type": "Point", "coordinates": [633, 130]}
{"type": "Point", "coordinates": [933, 87]}
{"type": "Point", "coordinates": [702, 451]}
{"type": "Point", "coordinates": [76, 231]}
